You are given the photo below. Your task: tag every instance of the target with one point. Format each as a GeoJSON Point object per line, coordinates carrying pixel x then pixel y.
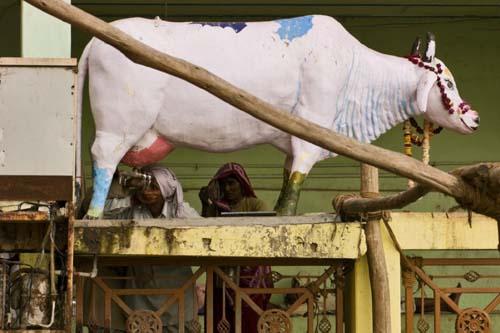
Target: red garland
{"type": "Point", "coordinates": [464, 107]}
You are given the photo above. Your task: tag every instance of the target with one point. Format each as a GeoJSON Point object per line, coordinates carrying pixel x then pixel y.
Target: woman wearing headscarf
{"type": "Point", "coordinates": [230, 190]}
{"type": "Point", "coordinates": [162, 198]}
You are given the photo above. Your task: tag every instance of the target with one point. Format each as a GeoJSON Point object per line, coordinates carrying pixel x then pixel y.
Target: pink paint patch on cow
{"type": "Point", "coordinates": [154, 153]}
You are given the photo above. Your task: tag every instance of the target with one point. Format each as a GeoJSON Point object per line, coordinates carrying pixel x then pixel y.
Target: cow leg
{"type": "Point", "coordinates": [107, 151]}
{"type": "Point", "coordinates": [305, 156]}
{"type": "Point", "coordinates": [286, 175]}
{"type": "Point", "coordinates": [291, 194]}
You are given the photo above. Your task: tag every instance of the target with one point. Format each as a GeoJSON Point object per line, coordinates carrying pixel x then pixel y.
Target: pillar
{"type": "Point", "coordinates": [358, 300]}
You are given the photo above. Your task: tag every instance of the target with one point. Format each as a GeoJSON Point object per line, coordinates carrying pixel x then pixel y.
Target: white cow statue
{"type": "Point", "coordinates": [309, 66]}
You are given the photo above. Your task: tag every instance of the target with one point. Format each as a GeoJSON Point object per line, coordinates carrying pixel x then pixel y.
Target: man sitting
{"type": "Point", "coordinates": [154, 192]}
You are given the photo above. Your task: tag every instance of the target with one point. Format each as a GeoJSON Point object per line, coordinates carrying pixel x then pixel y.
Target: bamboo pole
{"type": "Point", "coordinates": [379, 281]}
{"type": "Point", "coordinates": [306, 130]}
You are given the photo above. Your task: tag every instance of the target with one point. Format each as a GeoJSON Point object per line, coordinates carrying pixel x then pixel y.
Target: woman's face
{"type": "Point", "coordinates": [231, 189]}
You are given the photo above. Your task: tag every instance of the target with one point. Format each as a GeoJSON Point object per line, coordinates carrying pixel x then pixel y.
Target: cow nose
{"type": "Point", "coordinates": [477, 120]}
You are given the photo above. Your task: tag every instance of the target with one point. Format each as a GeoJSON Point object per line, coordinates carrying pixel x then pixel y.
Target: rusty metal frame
{"type": "Point", "coordinates": [441, 294]}
{"type": "Point", "coordinates": [39, 220]}
{"type": "Point", "coordinates": [306, 295]}
{"type": "Point", "coordinates": [14, 188]}
{"type": "Point", "coordinates": [68, 314]}
{"type": "Point", "coordinates": [3, 291]}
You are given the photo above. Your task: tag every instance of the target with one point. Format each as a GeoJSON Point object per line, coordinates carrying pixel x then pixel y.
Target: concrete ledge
{"type": "Point", "coordinates": [314, 236]}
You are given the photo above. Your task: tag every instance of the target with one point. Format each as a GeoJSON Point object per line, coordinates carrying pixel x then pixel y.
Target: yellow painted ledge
{"type": "Point", "coordinates": [442, 231]}
{"type": "Point", "coordinates": [314, 236]}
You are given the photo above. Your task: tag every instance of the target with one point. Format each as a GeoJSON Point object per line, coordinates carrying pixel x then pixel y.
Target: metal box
{"type": "Point", "coordinates": [37, 128]}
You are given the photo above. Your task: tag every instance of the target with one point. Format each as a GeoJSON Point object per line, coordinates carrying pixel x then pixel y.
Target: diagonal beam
{"type": "Point", "coordinates": [171, 300]}
{"type": "Point", "coordinates": [114, 297]}
{"type": "Point", "coordinates": [235, 287]}
{"type": "Point", "coordinates": [493, 304]}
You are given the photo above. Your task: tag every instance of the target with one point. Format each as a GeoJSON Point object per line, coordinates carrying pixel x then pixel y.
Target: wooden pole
{"type": "Point", "coordinates": [483, 178]}
{"type": "Point", "coordinates": [306, 130]}
{"type": "Point", "coordinates": [399, 200]}
{"type": "Point", "coordinates": [408, 282]}
{"type": "Point", "coordinates": [379, 281]}
{"type": "Point", "coordinates": [69, 269]}
{"type": "Point", "coordinates": [209, 303]}
{"type": "Point", "coordinates": [339, 298]}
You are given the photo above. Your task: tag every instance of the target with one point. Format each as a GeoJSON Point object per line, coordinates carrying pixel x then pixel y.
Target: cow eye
{"type": "Point", "coordinates": [449, 84]}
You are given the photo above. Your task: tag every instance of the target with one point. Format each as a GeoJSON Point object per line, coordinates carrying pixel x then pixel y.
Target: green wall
{"type": "Point", "coordinates": [10, 28]}
{"type": "Point", "coordinates": [468, 40]}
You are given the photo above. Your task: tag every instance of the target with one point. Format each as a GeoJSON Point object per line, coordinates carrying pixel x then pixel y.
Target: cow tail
{"type": "Point", "coordinates": [83, 66]}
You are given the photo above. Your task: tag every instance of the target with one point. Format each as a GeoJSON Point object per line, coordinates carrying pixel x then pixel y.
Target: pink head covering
{"type": "Point", "coordinates": [237, 171]}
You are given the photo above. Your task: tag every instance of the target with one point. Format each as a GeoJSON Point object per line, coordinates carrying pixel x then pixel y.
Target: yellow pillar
{"type": "Point", "coordinates": [359, 301]}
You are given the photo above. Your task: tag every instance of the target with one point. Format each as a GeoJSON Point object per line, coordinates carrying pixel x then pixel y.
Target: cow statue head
{"type": "Point", "coordinates": [437, 93]}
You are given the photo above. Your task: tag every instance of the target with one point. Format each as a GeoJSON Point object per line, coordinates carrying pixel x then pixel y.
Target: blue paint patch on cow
{"type": "Point", "coordinates": [404, 108]}
{"type": "Point", "coordinates": [102, 180]}
{"type": "Point", "coordinates": [387, 115]}
{"type": "Point", "coordinates": [236, 26]}
{"type": "Point", "coordinates": [374, 109]}
{"type": "Point", "coordinates": [412, 110]}
{"type": "Point", "coordinates": [370, 115]}
{"type": "Point", "coordinates": [365, 117]}
{"type": "Point", "coordinates": [342, 103]}
{"type": "Point", "coordinates": [294, 27]}
{"type": "Point", "coordinates": [402, 104]}
{"type": "Point", "coordinates": [374, 115]}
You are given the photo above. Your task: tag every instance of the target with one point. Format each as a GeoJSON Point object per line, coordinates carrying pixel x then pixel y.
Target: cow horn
{"type": "Point", "coordinates": [415, 47]}
{"type": "Point", "coordinates": [430, 50]}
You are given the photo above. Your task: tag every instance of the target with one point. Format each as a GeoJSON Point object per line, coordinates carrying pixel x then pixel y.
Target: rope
{"type": "Point", "coordinates": [370, 195]}
{"type": "Point", "coordinates": [338, 205]}
{"type": "Point", "coordinates": [404, 258]}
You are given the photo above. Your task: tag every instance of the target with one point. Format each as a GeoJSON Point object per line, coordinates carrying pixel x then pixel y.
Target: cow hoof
{"type": "Point", "coordinates": [93, 214]}
{"type": "Point", "coordinates": [287, 210]}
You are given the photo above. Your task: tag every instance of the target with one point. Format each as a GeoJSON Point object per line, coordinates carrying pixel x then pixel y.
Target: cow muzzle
{"type": "Point", "coordinates": [470, 120]}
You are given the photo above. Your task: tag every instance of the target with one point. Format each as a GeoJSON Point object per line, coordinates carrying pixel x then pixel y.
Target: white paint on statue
{"type": "Point", "coordinates": [309, 66]}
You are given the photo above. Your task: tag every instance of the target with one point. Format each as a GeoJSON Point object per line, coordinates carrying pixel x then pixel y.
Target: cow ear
{"type": "Point", "coordinates": [424, 88]}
